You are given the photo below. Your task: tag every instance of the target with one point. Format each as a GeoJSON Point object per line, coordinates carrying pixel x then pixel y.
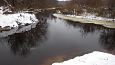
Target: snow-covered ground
{"type": "Point", "coordinates": [90, 16]}
{"type": "Point", "coordinates": [106, 22]}
{"type": "Point", "coordinates": [16, 23]}
{"type": "Point", "coordinates": [14, 20]}
{"type": "Point", "coordinates": [94, 58]}
{"type": "Point", "coordinates": [17, 30]}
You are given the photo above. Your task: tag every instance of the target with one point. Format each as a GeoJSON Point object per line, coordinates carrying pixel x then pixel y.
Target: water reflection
{"type": "Point", "coordinates": [107, 39]}
{"type": "Point", "coordinates": [55, 40]}
{"type": "Point", "coordinates": [106, 36]}
{"type": "Point", "coordinates": [87, 28]}
{"type": "Point", "coordinates": [63, 39]}
{"type": "Point", "coordinates": [23, 43]}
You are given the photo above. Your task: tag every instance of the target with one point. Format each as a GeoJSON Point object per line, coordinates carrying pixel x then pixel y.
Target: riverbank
{"type": "Point", "coordinates": [16, 23]}
{"type": "Point", "coordinates": [88, 19]}
{"type": "Point", "coordinates": [94, 58]}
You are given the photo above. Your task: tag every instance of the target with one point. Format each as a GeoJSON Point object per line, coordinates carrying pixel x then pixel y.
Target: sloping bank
{"type": "Point", "coordinates": [16, 23]}
{"type": "Point", "coordinates": [94, 58]}
{"type": "Point", "coordinates": [106, 22]}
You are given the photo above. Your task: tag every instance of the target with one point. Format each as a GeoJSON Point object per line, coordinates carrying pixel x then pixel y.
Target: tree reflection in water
{"type": "Point", "coordinates": [87, 28]}
{"type": "Point", "coordinates": [107, 36]}
{"type": "Point", "coordinates": [22, 43]}
{"type": "Point", "coordinates": [107, 39]}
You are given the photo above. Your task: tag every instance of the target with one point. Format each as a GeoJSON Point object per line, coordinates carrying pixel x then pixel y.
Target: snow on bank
{"type": "Point", "coordinates": [14, 20]}
{"type": "Point", "coordinates": [17, 30]}
{"type": "Point", "coordinates": [106, 22]}
{"type": "Point", "coordinates": [89, 16]}
{"type": "Point", "coordinates": [94, 58]}
{"type": "Point", "coordinates": [16, 23]}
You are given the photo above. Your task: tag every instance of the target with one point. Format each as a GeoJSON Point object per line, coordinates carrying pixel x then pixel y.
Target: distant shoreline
{"type": "Point", "coordinates": [104, 22]}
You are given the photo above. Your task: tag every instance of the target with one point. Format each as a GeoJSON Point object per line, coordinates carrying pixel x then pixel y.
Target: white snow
{"type": "Point", "coordinates": [90, 16]}
{"type": "Point", "coordinates": [106, 22]}
{"type": "Point", "coordinates": [16, 30]}
{"type": "Point", "coordinates": [13, 20]}
{"type": "Point", "coordinates": [94, 58]}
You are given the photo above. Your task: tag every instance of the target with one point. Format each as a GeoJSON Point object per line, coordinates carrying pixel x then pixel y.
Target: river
{"type": "Point", "coordinates": [55, 40]}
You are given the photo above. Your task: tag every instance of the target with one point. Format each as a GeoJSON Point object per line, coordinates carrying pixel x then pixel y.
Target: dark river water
{"type": "Point", "coordinates": [55, 40]}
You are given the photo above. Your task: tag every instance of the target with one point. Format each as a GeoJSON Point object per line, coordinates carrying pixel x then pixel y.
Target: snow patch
{"type": "Point", "coordinates": [89, 16]}
{"type": "Point", "coordinates": [94, 58]}
{"type": "Point", "coordinates": [17, 30]}
{"type": "Point", "coordinates": [15, 23]}
{"type": "Point", "coordinates": [106, 22]}
{"type": "Point", "coordinates": [14, 20]}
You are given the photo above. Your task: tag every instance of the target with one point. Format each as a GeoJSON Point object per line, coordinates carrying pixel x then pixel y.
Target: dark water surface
{"type": "Point", "coordinates": [55, 40]}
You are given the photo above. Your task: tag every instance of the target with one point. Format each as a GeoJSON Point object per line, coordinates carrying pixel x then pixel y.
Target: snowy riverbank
{"type": "Point", "coordinates": [18, 19]}
{"type": "Point", "coordinates": [15, 23]}
{"type": "Point", "coordinates": [18, 30]}
{"type": "Point", "coordinates": [94, 58]}
{"type": "Point", "coordinates": [106, 22]}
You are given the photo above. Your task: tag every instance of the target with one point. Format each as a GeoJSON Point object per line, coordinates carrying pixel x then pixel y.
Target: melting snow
{"type": "Point", "coordinates": [94, 58]}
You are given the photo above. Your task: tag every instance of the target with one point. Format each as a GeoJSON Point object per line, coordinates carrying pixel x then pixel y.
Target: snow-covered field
{"type": "Point", "coordinates": [94, 58]}
{"type": "Point", "coordinates": [106, 22]}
